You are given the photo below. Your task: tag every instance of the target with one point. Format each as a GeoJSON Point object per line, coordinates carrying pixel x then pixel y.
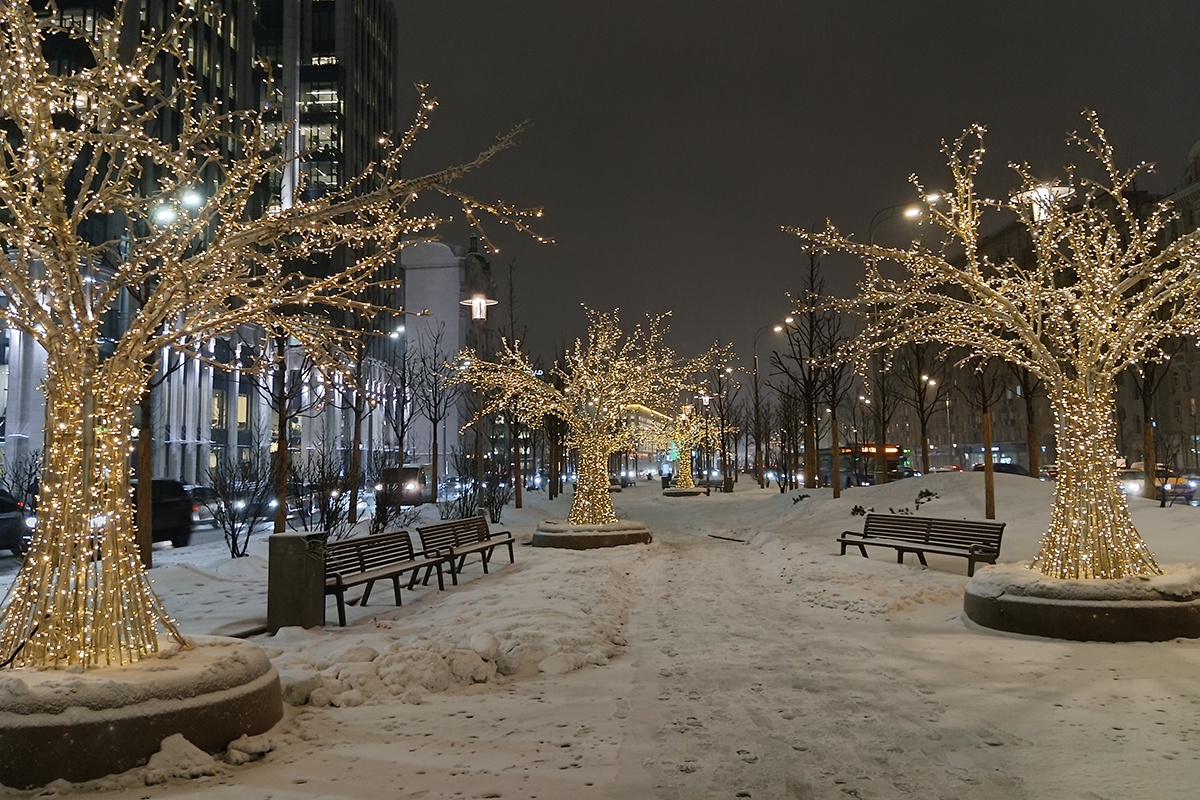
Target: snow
{"type": "Point", "coordinates": [758, 664]}
{"type": "Point", "coordinates": [209, 665]}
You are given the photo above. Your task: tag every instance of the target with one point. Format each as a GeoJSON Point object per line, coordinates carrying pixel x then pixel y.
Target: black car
{"type": "Point", "coordinates": [171, 511]}
{"type": "Point", "coordinates": [14, 533]}
{"type": "Point", "coordinates": [1010, 469]}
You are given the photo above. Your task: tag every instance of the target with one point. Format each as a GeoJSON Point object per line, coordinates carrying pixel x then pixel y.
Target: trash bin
{"type": "Point", "coordinates": [666, 481]}
{"type": "Point", "coordinates": [295, 581]}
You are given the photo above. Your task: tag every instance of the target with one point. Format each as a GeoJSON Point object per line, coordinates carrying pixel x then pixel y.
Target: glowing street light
{"type": "Point", "coordinates": [479, 305]}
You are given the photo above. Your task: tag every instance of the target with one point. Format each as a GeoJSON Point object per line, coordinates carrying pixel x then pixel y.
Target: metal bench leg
{"type": "Point", "coordinates": [341, 601]}
{"type": "Point", "coordinates": [441, 584]}
{"type": "Point", "coordinates": [484, 555]}
{"type": "Point", "coordinates": [366, 594]}
{"type": "Point", "coordinates": [512, 559]}
{"type": "Point", "coordinates": [899, 556]}
{"type": "Point", "coordinates": [396, 586]}
{"type": "Point", "coordinates": [921, 556]}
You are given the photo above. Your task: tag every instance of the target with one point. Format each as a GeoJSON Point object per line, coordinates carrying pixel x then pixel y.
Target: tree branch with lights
{"type": "Point", "coordinates": [1102, 293]}
{"type": "Point", "coordinates": [81, 153]}
{"type": "Point", "coordinates": [600, 377]}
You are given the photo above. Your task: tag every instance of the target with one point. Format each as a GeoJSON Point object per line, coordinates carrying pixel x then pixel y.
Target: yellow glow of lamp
{"type": "Point", "coordinates": [479, 305]}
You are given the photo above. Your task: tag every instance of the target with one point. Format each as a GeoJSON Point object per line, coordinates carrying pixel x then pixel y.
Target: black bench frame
{"type": "Point", "coordinates": [459, 538]}
{"type": "Point", "coordinates": [975, 540]}
{"type": "Point", "coordinates": [366, 559]}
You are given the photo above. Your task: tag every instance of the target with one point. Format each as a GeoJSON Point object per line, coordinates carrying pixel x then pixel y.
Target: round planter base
{"type": "Point", "coordinates": [78, 726]}
{"type": "Point", "coordinates": [1138, 609]}
{"type": "Point", "coordinates": [556, 533]}
{"type": "Point", "coordinates": [694, 491]}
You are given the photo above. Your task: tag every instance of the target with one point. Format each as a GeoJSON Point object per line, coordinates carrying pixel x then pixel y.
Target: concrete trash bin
{"type": "Point", "coordinates": [295, 581]}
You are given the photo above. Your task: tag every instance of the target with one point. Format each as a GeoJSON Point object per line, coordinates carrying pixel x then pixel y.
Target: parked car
{"type": "Point", "coordinates": [15, 533]}
{"type": "Point", "coordinates": [1003, 466]}
{"type": "Point", "coordinates": [947, 468]}
{"type": "Point", "coordinates": [171, 511]}
{"type": "Point", "coordinates": [1048, 472]}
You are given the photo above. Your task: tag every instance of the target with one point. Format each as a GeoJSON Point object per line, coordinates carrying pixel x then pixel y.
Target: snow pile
{"type": "Point", "coordinates": [489, 639]}
{"type": "Point", "coordinates": [1179, 583]}
{"type": "Point", "coordinates": [178, 758]}
{"type": "Point", "coordinates": [209, 665]}
{"type": "Point", "coordinates": [562, 526]}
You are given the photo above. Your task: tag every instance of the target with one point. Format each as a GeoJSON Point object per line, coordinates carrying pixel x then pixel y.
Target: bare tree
{"type": "Point", "coordinates": [982, 387]}
{"type": "Point", "coordinates": [806, 338]}
{"type": "Point", "coordinates": [433, 389]}
{"type": "Point", "coordinates": [242, 489]}
{"type": "Point", "coordinates": [1032, 387]}
{"type": "Point", "coordinates": [922, 385]}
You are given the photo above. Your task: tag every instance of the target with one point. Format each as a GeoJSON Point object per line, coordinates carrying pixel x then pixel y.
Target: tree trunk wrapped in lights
{"type": "Point", "coordinates": [600, 379]}
{"type": "Point", "coordinates": [1103, 292]}
{"type": "Point", "coordinates": [66, 167]}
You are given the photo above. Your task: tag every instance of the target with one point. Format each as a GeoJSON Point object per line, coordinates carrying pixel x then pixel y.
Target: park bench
{"type": "Point", "coordinates": [366, 559]}
{"type": "Point", "coordinates": [974, 540]}
{"type": "Point", "coordinates": [459, 538]}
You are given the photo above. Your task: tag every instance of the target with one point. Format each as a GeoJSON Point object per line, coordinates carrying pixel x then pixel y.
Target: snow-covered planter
{"type": "Point", "coordinates": [560, 533]}
{"type": "Point", "coordinates": [1137, 608]}
{"type": "Point", "coordinates": [82, 724]}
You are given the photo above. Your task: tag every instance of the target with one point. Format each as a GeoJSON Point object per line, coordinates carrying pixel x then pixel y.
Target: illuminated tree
{"type": "Point", "coordinates": [597, 380]}
{"type": "Point", "coordinates": [686, 431]}
{"type": "Point", "coordinates": [80, 153]}
{"type": "Point", "coordinates": [1101, 294]}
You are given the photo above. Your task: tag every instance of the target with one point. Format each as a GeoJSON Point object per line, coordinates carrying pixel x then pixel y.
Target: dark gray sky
{"type": "Point", "coordinates": [672, 139]}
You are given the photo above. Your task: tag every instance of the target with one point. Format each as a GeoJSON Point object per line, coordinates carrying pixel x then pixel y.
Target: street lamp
{"type": "Point", "coordinates": [907, 210]}
{"type": "Point", "coordinates": [758, 453]}
{"type": "Point", "coordinates": [479, 304]}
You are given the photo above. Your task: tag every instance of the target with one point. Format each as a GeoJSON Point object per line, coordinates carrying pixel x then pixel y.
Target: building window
{"type": "Point", "coordinates": [243, 412]}
{"type": "Point", "coordinates": [220, 410]}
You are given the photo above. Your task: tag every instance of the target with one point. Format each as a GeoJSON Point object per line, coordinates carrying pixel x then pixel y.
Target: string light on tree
{"type": "Point", "coordinates": [205, 263]}
{"type": "Point", "coordinates": [600, 378]}
{"type": "Point", "coordinates": [1103, 293]}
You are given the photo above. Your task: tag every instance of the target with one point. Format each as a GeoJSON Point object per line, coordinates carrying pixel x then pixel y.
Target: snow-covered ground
{"type": "Point", "coordinates": [736, 656]}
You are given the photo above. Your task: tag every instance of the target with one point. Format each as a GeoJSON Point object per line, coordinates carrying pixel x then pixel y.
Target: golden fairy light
{"type": "Point", "coordinates": [183, 235]}
{"type": "Point", "coordinates": [1103, 292]}
{"type": "Point", "coordinates": [590, 390]}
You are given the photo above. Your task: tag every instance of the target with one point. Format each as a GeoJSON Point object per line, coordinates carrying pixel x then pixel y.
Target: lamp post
{"type": "Point", "coordinates": [705, 399]}
{"type": "Point", "coordinates": [758, 431]}
{"type": "Point", "coordinates": [722, 410]}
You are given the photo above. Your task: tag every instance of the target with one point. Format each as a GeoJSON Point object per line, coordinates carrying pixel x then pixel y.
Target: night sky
{"type": "Point", "coordinates": [671, 140]}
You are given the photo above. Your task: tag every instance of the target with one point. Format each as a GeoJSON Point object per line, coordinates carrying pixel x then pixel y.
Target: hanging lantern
{"type": "Point", "coordinates": [479, 306]}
